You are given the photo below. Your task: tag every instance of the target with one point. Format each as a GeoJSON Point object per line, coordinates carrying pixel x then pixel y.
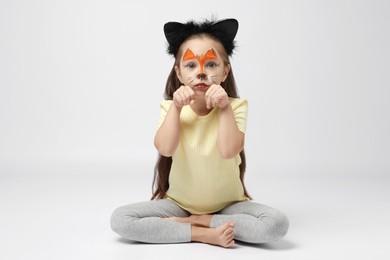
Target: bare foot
{"type": "Point", "coordinates": [222, 235]}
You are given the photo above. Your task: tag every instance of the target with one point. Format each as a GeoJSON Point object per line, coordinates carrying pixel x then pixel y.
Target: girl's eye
{"type": "Point", "coordinates": [211, 64]}
{"type": "Point", "coordinates": [190, 65]}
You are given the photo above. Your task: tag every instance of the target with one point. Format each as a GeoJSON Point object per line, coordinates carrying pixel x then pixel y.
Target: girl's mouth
{"type": "Point", "coordinates": [201, 86]}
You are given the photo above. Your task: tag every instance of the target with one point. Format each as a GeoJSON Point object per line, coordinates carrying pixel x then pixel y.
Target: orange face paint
{"type": "Point", "coordinates": [210, 54]}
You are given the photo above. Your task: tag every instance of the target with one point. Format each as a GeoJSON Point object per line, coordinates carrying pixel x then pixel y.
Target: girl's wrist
{"type": "Point", "coordinates": [176, 107]}
{"type": "Point", "coordinates": [225, 108]}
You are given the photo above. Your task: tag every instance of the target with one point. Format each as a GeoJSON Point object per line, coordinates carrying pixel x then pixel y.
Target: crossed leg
{"type": "Point", "coordinates": [222, 235]}
{"type": "Point", "coordinates": [151, 222]}
{"type": "Point", "coordinates": [253, 222]}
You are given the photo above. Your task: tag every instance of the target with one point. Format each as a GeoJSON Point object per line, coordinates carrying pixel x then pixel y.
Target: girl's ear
{"type": "Point", "coordinates": [178, 74]}
{"type": "Point", "coordinates": [226, 71]}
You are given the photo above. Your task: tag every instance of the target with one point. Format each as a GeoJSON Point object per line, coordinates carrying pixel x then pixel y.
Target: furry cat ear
{"type": "Point", "coordinates": [227, 28]}
{"type": "Point", "coordinates": [225, 31]}
{"type": "Point", "coordinates": [172, 30]}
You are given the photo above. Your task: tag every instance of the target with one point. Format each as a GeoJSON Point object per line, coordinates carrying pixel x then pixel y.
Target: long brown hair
{"type": "Point", "coordinates": [163, 166]}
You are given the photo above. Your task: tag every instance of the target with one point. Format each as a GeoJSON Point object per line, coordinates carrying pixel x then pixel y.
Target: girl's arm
{"type": "Point", "coordinates": [168, 135]}
{"type": "Point", "coordinates": [230, 139]}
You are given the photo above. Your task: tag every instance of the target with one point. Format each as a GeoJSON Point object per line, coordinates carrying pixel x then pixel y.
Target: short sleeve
{"type": "Point", "coordinates": [240, 112]}
{"type": "Point", "coordinates": [164, 107]}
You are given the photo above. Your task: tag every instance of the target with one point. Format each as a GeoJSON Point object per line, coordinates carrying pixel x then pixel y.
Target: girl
{"type": "Point", "coordinates": [199, 194]}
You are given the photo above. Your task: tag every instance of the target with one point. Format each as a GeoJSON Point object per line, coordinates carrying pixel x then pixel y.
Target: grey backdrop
{"type": "Point", "coordinates": [81, 81]}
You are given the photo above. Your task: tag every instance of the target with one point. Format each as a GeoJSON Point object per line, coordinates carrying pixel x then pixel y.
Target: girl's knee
{"type": "Point", "coordinates": [120, 219]}
{"type": "Point", "coordinates": [116, 219]}
{"type": "Point", "coordinates": [272, 226]}
{"type": "Point", "coordinates": [280, 226]}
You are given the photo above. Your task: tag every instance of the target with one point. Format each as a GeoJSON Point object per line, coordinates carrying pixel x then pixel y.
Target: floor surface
{"type": "Point", "coordinates": [62, 211]}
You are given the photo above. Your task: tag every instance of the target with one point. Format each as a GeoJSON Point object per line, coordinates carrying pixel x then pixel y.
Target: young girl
{"type": "Point", "coordinates": [199, 192]}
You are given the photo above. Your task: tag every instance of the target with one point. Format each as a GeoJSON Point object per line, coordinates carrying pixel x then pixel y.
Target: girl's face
{"type": "Point", "coordinates": [201, 64]}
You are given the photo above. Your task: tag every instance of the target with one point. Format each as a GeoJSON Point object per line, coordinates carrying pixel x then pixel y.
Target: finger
{"type": "Point", "coordinates": [181, 98]}
{"type": "Point", "coordinates": [192, 95]}
{"type": "Point", "coordinates": [207, 99]}
{"type": "Point", "coordinates": [215, 98]}
{"type": "Point", "coordinates": [191, 92]}
{"type": "Point", "coordinates": [221, 98]}
{"type": "Point", "coordinates": [218, 97]}
{"type": "Point", "coordinates": [209, 96]}
{"type": "Point", "coordinates": [210, 90]}
{"type": "Point", "coordinates": [183, 95]}
{"type": "Point", "coordinates": [188, 95]}
{"type": "Point", "coordinates": [176, 100]}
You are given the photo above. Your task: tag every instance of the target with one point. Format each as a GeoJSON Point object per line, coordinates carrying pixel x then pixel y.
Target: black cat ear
{"type": "Point", "coordinates": [172, 30]}
{"type": "Point", "coordinates": [225, 31]}
{"type": "Point", "coordinates": [228, 28]}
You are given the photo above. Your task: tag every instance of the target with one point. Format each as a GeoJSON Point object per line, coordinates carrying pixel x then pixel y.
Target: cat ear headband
{"type": "Point", "coordinates": [225, 31]}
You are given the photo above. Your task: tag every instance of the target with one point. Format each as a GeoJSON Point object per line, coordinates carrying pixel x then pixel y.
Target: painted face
{"type": "Point", "coordinates": [201, 65]}
{"type": "Point", "coordinates": [210, 55]}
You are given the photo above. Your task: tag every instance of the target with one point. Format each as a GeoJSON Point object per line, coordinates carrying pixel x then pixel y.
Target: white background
{"type": "Point", "coordinates": [82, 80]}
{"type": "Point", "coordinates": [81, 83]}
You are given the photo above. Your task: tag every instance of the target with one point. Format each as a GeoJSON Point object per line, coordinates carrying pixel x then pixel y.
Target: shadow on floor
{"type": "Point", "coordinates": [276, 246]}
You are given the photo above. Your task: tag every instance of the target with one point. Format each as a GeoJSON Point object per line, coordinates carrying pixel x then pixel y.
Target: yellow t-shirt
{"type": "Point", "coordinates": [201, 181]}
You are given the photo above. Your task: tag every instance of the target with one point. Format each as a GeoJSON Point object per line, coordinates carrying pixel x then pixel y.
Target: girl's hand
{"type": "Point", "coordinates": [216, 96]}
{"type": "Point", "coordinates": [183, 96]}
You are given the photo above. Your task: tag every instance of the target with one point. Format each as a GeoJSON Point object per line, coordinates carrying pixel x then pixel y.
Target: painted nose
{"type": "Point", "coordinates": [201, 76]}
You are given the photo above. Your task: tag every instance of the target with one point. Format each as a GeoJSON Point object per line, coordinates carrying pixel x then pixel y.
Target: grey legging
{"type": "Point", "coordinates": [144, 222]}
